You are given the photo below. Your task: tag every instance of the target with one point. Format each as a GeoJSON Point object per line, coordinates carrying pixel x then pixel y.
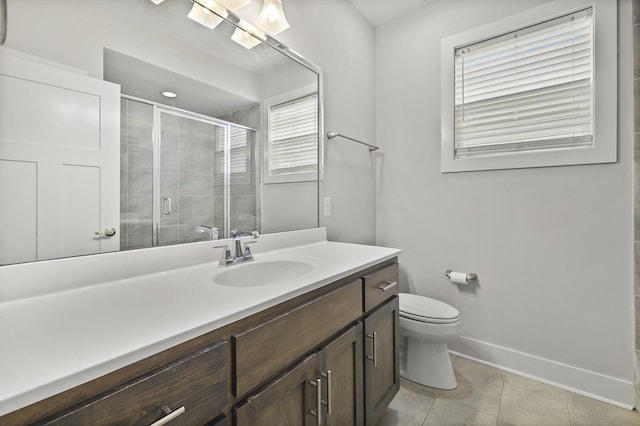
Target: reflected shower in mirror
{"type": "Point", "coordinates": [219, 155]}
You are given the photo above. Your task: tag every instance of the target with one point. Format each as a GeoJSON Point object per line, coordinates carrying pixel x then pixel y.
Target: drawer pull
{"type": "Point", "coordinates": [327, 376]}
{"type": "Point", "coordinates": [170, 415]}
{"type": "Point", "coordinates": [389, 285]}
{"type": "Point", "coordinates": [317, 383]}
{"type": "Point", "coordinates": [373, 358]}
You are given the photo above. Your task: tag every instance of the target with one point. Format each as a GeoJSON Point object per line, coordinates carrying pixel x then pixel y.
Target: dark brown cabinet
{"type": "Point", "coordinates": [350, 380]}
{"type": "Point", "coordinates": [325, 388]}
{"type": "Point", "coordinates": [328, 356]}
{"type": "Point", "coordinates": [381, 370]}
{"type": "Point", "coordinates": [342, 366]}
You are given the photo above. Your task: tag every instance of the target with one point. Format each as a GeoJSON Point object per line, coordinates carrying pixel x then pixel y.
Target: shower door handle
{"type": "Point", "coordinates": [166, 206]}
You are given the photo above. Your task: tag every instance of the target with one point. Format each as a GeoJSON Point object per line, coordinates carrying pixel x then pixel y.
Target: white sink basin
{"type": "Point", "coordinates": [262, 273]}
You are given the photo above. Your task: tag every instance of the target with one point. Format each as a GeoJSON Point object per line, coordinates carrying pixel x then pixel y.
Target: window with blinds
{"type": "Point", "coordinates": [527, 90]}
{"type": "Point", "coordinates": [238, 149]}
{"type": "Point", "coordinates": [293, 136]}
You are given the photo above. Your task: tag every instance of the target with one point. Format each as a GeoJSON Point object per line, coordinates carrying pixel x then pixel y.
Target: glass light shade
{"type": "Point", "coordinates": [205, 16]}
{"type": "Point", "coordinates": [246, 39]}
{"type": "Point", "coordinates": [156, 1]}
{"type": "Point", "coordinates": [271, 18]}
{"type": "Point", "coordinates": [234, 4]}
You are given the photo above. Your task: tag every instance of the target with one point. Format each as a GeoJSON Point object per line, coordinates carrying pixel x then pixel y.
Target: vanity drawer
{"type": "Point", "coordinates": [380, 285]}
{"type": "Point", "coordinates": [266, 350]}
{"type": "Point", "coordinates": [195, 384]}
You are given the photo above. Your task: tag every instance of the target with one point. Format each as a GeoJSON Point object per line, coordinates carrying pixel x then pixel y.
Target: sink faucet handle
{"type": "Point", "coordinates": [225, 257]}
{"type": "Point", "coordinates": [247, 249]}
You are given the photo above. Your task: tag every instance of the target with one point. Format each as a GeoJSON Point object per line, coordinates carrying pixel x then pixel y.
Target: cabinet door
{"type": "Point", "coordinates": [343, 399]}
{"type": "Point", "coordinates": [291, 400]}
{"type": "Point", "coordinates": [381, 366]}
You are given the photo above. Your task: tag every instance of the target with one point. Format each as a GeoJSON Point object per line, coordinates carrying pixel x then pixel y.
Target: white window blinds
{"type": "Point", "coordinates": [294, 136]}
{"type": "Point", "coordinates": [527, 90]}
{"type": "Point", "coordinates": [239, 149]}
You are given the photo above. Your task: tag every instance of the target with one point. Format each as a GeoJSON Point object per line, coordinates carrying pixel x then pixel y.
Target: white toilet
{"type": "Point", "coordinates": [428, 325]}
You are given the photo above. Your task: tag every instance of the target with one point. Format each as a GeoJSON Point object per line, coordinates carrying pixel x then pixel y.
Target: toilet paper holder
{"type": "Point", "coordinates": [470, 276]}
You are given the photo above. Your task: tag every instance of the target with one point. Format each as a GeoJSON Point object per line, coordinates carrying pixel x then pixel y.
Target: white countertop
{"type": "Point", "coordinates": [55, 341]}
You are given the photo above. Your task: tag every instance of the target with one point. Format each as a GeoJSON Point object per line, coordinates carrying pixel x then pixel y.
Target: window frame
{"type": "Point", "coordinates": [604, 89]}
{"type": "Point", "coordinates": [303, 176]}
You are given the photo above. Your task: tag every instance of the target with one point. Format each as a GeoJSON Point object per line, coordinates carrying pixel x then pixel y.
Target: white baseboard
{"type": "Point", "coordinates": [584, 382]}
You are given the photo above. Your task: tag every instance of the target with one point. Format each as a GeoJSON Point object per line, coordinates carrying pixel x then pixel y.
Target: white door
{"type": "Point", "coordinates": [59, 162]}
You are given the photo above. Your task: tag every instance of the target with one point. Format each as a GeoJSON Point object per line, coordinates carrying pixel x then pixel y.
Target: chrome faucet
{"type": "Point", "coordinates": [240, 254]}
{"type": "Point", "coordinates": [213, 232]}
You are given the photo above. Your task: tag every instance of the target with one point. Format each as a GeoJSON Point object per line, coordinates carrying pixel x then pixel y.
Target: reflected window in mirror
{"type": "Point", "coordinates": [292, 148]}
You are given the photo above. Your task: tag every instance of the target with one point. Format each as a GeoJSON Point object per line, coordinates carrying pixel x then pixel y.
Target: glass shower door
{"type": "Point", "coordinates": [191, 191]}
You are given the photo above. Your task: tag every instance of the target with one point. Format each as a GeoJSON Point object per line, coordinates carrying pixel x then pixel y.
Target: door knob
{"type": "Point", "coordinates": [109, 232]}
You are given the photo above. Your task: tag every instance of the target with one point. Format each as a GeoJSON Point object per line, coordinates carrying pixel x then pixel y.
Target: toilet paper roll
{"type": "Point", "coordinates": [458, 277]}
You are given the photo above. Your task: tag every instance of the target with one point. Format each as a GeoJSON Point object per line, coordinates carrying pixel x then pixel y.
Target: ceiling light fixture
{"type": "Point", "coordinates": [206, 15]}
{"type": "Point", "coordinates": [156, 1]}
{"type": "Point", "coordinates": [247, 35]}
{"type": "Point", "coordinates": [271, 18]}
{"type": "Point", "coordinates": [168, 94]}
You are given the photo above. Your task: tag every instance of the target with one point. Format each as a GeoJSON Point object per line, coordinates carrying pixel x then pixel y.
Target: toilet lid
{"type": "Point", "coordinates": [426, 309]}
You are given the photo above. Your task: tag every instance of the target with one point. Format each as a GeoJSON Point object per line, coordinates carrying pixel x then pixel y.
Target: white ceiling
{"type": "Point", "coordinates": [379, 12]}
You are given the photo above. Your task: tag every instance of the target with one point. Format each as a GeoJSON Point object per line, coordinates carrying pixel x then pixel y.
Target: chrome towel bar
{"type": "Point", "coordinates": [332, 135]}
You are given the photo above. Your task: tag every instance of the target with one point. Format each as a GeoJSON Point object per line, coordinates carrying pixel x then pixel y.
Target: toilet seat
{"type": "Point", "coordinates": [426, 309]}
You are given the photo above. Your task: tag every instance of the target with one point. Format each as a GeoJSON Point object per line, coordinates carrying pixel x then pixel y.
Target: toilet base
{"type": "Point", "coordinates": [429, 364]}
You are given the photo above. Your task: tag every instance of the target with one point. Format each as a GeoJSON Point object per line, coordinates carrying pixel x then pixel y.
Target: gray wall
{"type": "Point", "coordinates": [333, 35]}
{"type": "Point", "coordinates": [552, 247]}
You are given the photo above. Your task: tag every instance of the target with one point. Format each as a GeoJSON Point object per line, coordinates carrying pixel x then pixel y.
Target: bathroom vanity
{"type": "Point", "coordinates": [317, 348]}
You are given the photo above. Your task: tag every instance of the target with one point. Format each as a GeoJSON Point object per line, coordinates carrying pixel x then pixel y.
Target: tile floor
{"type": "Point", "coordinates": [488, 396]}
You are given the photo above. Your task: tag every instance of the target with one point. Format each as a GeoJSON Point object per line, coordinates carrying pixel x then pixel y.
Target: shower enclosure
{"type": "Point", "coordinates": [180, 170]}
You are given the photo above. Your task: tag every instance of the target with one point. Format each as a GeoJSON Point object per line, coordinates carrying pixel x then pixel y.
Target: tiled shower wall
{"type": "Point", "coordinates": [191, 175]}
{"type": "Point", "coordinates": [136, 175]}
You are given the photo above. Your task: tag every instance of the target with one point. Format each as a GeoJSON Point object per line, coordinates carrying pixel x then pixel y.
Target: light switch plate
{"type": "Point", "coordinates": [327, 206]}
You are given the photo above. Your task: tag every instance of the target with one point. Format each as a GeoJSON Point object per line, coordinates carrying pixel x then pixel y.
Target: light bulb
{"type": "Point", "coordinates": [271, 18]}
{"type": "Point", "coordinates": [245, 38]}
{"type": "Point", "coordinates": [205, 16]}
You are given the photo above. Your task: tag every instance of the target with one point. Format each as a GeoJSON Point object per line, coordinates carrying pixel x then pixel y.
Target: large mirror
{"type": "Point", "coordinates": [236, 148]}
